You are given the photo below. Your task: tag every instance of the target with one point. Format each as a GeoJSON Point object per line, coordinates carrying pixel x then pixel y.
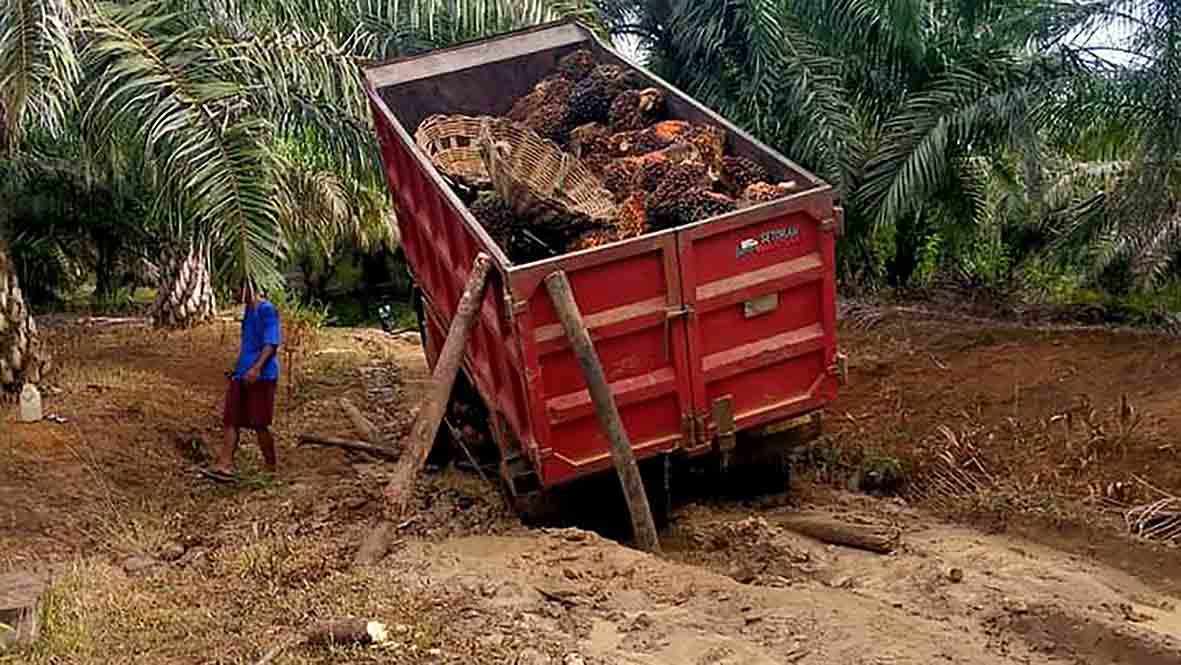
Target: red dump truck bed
{"type": "Point", "coordinates": [705, 330]}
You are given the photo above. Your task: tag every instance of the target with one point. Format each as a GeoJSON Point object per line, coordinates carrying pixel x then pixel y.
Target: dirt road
{"type": "Point", "coordinates": [152, 564]}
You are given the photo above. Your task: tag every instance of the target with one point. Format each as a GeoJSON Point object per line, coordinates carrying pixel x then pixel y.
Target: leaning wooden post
{"type": "Point", "coordinates": [430, 413]}
{"type": "Point", "coordinates": [643, 525]}
{"type": "Point", "coordinates": [417, 445]}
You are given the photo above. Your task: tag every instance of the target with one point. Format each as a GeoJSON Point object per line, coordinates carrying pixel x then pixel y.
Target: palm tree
{"type": "Point", "coordinates": [1131, 102]}
{"type": "Point", "coordinates": [37, 71]}
{"type": "Point", "coordinates": [199, 94]}
{"type": "Point", "coordinates": [886, 100]}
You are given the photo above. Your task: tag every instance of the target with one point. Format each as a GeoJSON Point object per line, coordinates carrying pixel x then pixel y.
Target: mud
{"type": "Point", "coordinates": [1048, 582]}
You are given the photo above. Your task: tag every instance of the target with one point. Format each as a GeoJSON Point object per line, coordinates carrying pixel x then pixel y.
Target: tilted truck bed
{"type": "Point", "coordinates": [719, 326]}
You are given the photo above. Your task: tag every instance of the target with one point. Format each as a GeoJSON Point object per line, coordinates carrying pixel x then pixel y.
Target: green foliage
{"type": "Point", "coordinates": [981, 142]}
{"type": "Point", "coordinates": [302, 324]}
{"type": "Point", "coordinates": [882, 473]}
{"type": "Point", "coordinates": [1158, 308]}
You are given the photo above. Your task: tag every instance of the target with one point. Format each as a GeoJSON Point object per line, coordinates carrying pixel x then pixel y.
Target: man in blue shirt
{"type": "Point", "coordinates": [250, 393]}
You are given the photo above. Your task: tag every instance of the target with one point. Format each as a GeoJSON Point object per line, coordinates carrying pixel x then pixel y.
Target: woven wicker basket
{"type": "Point", "coordinates": [450, 142]}
{"type": "Point", "coordinates": [526, 169]}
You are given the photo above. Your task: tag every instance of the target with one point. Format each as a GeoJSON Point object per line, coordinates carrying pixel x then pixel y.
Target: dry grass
{"type": "Point", "coordinates": [264, 558]}
{"type": "Point", "coordinates": [233, 609]}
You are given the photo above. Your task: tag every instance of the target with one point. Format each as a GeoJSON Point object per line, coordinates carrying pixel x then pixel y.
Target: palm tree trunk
{"type": "Point", "coordinates": [185, 296]}
{"type": "Point", "coordinates": [23, 359]}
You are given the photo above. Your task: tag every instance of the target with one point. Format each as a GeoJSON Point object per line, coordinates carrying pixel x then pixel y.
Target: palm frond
{"type": "Point", "coordinates": [921, 142]}
{"type": "Point", "coordinates": [38, 66]}
{"type": "Point", "coordinates": [178, 93]}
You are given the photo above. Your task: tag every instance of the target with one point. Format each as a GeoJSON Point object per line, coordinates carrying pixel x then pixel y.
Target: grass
{"type": "Point", "coordinates": [269, 555]}
{"type": "Point", "coordinates": [232, 608]}
{"type": "Point", "coordinates": [64, 635]}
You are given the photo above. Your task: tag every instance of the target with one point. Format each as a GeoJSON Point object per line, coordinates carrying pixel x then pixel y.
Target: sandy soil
{"type": "Point", "coordinates": [149, 563]}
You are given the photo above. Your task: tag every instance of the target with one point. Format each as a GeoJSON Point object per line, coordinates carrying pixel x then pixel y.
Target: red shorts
{"type": "Point", "coordinates": [249, 405]}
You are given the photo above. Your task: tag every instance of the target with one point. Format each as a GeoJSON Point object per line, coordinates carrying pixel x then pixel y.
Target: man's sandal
{"type": "Point", "coordinates": [218, 476]}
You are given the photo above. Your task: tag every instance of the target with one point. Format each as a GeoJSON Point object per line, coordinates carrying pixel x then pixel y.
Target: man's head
{"type": "Point", "coordinates": [248, 293]}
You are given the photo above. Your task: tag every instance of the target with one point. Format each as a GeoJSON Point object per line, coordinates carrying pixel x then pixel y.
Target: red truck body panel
{"type": "Point", "coordinates": [738, 309]}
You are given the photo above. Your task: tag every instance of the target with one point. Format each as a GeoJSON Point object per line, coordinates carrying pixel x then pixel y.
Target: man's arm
{"type": "Point", "coordinates": [256, 369]}
{"type": "Point", "coordinates": [271, 337]}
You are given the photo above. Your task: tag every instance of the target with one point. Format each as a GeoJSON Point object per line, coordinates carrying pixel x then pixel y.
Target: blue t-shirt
{"type": "Point", "coordinates": [260, 327]}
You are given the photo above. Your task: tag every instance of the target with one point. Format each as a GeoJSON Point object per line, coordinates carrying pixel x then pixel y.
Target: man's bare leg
{"type": "Point", "coordinates": [225, 456]}
{"type": "Point", "coordinates": [266, 443]}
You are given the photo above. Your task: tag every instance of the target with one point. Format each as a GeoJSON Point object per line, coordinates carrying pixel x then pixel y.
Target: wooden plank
{"type": "Point", "coordinates": [349, 444]}
{"type": "Point", "coordinates": [426, 425]}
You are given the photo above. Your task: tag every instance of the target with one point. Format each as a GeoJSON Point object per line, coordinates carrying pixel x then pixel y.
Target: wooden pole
{"type": "Point", "coordinates": [430, 414]}
{"type": "Point", "coordinates": [643, 526]}
{"type": "Point", "coordinates": [348, 444]}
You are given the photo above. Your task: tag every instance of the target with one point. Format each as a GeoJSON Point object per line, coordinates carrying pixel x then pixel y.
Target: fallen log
{"type": "Point", "coordinates": [346, 632]}
{"type": "Point", "coordinates": [362, 424]}
{"type": "Point", "coordinates": [349, 444]}
{"type": "Point", "coordinates": [880, 539]}
{"type": "Point", "coordinates": [643, 525]}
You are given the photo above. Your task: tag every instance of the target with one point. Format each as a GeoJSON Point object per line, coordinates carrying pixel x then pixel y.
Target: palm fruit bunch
{"type": "Point", "coordinates": [710, 143]}
{"type": "Point", "coordinates": [619, 177]}
{"type": "Point", "coordinates": [595, 238]}
{"type": "Point", "coordinates": [644, 173]}
{"type": "Point", "coordinates": [592, 96]}
{"type": "Point", "coordinates": [577, 65]}
{"type": "Point", "coordinates": [632, 218]}
{"type": "Point", "coordinates": [623, 144]}
{"type": "Point", "coordinates": [738, 173]}
{"type": "Point", "coordinates": [553, 90]}
{"type": "Point", "coordinates": [550, 121]}
{"type": "Point", "coordinates": [589, 139]}
{"type": "Point", "coordinates": [707, 139]}
{"type": "Point", "coordinates": [688, 207]}
{"type": "Point", "coordinates": [495, 216]}
{"type": "Point", "coordinates": [652, 174]}
{"type": "Point", "coordinates": [561, 228]}
{"type": "Point", "coordinates": [505, 228]}
{"type": "Point", "coordinates": [590, 144]}
{"type": "Point", "coordinates": [763, 192]}
{"type": "Point", "coordinates": [662, 135]}
{"type": "Point", "coordinates": [636, 109]}
{"type": "Point", "coordinates": [671, 203]}
{"type": "Point", "coordinates": [704, 204]}
{"type": "Point", "coordinates": [630, 221]}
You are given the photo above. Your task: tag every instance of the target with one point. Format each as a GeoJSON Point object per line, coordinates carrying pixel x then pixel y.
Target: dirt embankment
{"type": "Point", "coordinates": [1056, 435]}
{"type": "Point", "coordinates": [152, 564]}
